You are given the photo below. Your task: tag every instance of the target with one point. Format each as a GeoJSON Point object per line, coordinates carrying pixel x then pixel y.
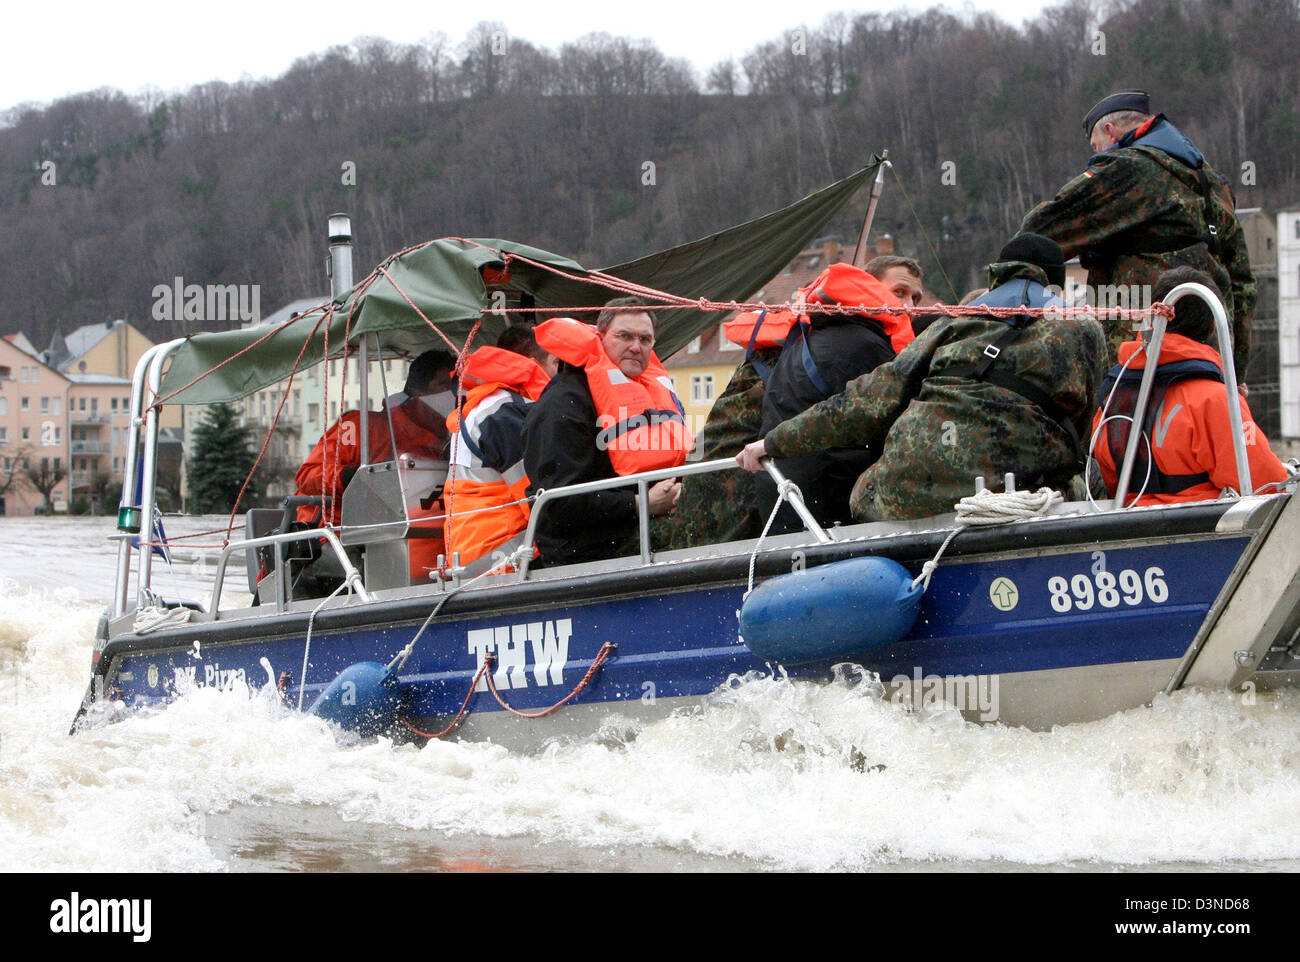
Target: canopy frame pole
{"type": "Point", "coordinates": [877, 187]}
{"type": "Point", "coordinates": [149, 471]}
{"type": "Point", "coordinates": [340, 263]}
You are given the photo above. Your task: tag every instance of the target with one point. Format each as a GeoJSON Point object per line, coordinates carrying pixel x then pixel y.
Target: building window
{"type": "Point", "coordinates": [26, 404]}
{"type": "Point", "coordinates": [45, 405]}
{"type": "Point", "coordinates": [58, 406]}
{"type": "Point", "coordinates": [58, 464]}
{"type": "Point", "coordinates": [313, 413]}
{"type": "Point", "coordinates": [4, 405]}
{"type": "Point", "coordinates": [115, 405]}
{"type": "Point", "coordinates": [82, 405]}
{"type": "Point", "coordinates": [58, 434]}
{"type": "Point", "coordinates": [723, 343]}
{"type": "Point", "coordinates": [693, 347]}
{"type": "Point", "coordinates": [4, 435]}
{"type": "Point", "coordinates": [27, 434]}
{"type": "Point", "coordinates": [701, 388]}
{"type": "Point", "coordinates": [297, 403]}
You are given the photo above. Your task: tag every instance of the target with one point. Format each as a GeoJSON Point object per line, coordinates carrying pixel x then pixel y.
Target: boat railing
{"type": "Point", "coordinates": [351, 577]}
{"type": "Point", "coordinates": [1155, 336]}
{"type": "Point", "coordinates": [647, 478]}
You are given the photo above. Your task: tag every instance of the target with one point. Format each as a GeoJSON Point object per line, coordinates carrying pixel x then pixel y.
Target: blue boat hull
{"type": "Point", "coordinates": [1102, 609]}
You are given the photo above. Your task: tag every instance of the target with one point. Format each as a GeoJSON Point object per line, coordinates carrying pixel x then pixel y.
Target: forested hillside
{"type": "Point", "coordinates": [492, 136]}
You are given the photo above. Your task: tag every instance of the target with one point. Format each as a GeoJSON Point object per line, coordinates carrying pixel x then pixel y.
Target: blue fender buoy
{"type": "Point", "coordinates": [830, 611]}
{"type": "Point", "coordinates": [363, 699]}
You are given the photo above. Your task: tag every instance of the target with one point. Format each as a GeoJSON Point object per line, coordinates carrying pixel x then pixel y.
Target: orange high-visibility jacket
{"type": "Point", "coordinates": [487, 485]}
{"type": "Point", "coordinates": [640, 419]}
{"type": "Point", "coordinates": [339, 451]}
{"type": "Point", "coordinates": [1190, 436]}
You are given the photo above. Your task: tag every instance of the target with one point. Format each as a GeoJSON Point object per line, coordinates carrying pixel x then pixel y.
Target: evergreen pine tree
{"type": "Point", "coordinates": [221, 459]}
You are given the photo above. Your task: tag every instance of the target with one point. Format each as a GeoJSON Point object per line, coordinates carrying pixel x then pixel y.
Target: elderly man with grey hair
{"type": "Point", "coordinates": [1148, 202]}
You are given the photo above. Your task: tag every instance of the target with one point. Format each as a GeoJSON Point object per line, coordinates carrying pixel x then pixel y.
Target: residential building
{"type": "Point", "coordinates": [1260, 231]}
{"type": "Point", "coordinates": [33, 429]}
{"type": "Point", "coordinates": [1288, 323]}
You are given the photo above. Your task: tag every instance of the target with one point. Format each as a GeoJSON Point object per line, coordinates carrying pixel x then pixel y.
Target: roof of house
{"type": "Point", "coordinates": [96, 379]}
{"type": "Point", "coordinates": [292, 309]}
{"type": "Point", "coordinates": [20, 341]}
{"type": "Point", "coordinates": [80, 341]}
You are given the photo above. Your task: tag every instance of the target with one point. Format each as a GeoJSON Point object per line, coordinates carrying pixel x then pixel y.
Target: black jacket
{"type": "Point", "coordinates": [559, 449]}
{"type": "Point", "coordinates": [841, 348]}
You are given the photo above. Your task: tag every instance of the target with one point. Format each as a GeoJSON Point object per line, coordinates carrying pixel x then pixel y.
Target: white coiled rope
{"type": "Point", "coordinates": [986, 508]}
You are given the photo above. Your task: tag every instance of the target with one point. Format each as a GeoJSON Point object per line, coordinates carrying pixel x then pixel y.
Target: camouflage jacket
{"type": "Point", "coordinates": [935, 433]}
{"type": "Point", "coordinates": [1148, 195]}
{"type": "Point", "coordinates": [721, 506]}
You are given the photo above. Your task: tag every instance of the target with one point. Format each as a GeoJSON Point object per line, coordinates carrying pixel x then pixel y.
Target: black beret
{"type": "Point", "coordinates": [1040, 251]}
{"type": "Point", "coordinates": [1138, 100]}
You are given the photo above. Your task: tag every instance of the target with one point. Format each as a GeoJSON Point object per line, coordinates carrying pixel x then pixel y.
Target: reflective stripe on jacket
{"type": "Point", "coordinates": [485, 493]}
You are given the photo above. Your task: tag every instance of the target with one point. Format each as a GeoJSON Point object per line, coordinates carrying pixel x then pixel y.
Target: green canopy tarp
{"type": "Point", "coordinates": [444, 279]}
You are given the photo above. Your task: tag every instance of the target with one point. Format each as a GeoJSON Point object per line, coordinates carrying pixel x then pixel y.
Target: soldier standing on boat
{"type": "Point", "coordinates": [1148, 202]}
{"type": "Point", "coordinates": [970, 396]}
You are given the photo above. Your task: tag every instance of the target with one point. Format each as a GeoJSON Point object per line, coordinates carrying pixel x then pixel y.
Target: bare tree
{"type": "Point", "coordinates": [44, 478]}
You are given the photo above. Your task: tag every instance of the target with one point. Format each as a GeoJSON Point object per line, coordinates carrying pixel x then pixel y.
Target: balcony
{"type": "Point", "coordinates": [93, 417]}
{"type": "Point", "coordinates": [91, 447]}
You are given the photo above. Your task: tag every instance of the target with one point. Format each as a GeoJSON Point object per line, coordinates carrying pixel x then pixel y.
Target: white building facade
{"type": "Point", "coordinates": [1288, 319]}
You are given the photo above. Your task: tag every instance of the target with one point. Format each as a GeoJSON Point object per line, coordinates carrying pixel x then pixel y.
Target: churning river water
{"type": "Point", "coordinates": [767, 774]}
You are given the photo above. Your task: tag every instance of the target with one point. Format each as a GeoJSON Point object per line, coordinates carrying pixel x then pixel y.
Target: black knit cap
{"type": "Point", "coordinates": [1138, 100]}
{"type": "Point", "coordinates": [1038, 250]}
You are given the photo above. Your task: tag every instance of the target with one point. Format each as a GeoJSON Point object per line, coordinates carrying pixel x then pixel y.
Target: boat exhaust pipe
{"type": "Point", "coordinates": [340, 263]}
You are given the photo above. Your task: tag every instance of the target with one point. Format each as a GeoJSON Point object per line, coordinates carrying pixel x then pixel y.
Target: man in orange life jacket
{"type": "Point", "coordinates": [824, 352]}
{"type": "Point", "coordinates": [1186, 423]}
{"type": "Point", "coordinates": [609, 411]}
{"type": "Point", "coordinates": [486, 490]}
{"type": "Point", "coordinates": [419, 415]}
{"type": "Point", "coordinates": [722, 506]}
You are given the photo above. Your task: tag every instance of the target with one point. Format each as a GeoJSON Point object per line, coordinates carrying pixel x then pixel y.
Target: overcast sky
{"type": "Point", "coordinates": [56, 49]}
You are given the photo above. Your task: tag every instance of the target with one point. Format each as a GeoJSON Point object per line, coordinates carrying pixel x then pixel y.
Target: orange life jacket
{"type": "Point", "coordinates": [841, 284]}
{"type": "Point", "coordinates": [486, 509]}
{"type": "Point", "coordinates": [642, 426]}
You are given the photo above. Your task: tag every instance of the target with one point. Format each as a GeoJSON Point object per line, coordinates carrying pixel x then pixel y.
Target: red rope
{"type": "Point", "coordinates": [602, 656]}
{"type": "Point", "coordinates": [216, 367]}
{"type": "Point", "coordinates": [463, 705]}
{"type": "Point", "coordinates": [270, 431]}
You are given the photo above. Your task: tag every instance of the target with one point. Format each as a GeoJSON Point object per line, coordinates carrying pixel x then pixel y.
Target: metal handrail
{"type": "Point", "coordinates": [1154, 343]}
{"type": "Point", "coordinates": [350, 574]}
{"type": "Point", "coordinates": [644, 480]}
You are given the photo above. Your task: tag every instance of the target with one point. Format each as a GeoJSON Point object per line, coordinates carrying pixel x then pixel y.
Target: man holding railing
{"type": "Point", "coordinates": [609, 411]}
